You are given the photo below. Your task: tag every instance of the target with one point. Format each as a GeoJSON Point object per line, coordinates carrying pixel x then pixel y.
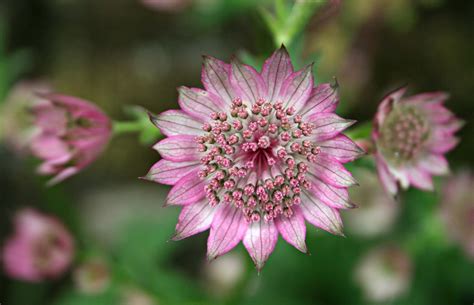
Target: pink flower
{"type": "Point", "coordinates": [40, 248]}
{"type": "Point", "coordinates": [411, 136]}
{"type": "Point", "coordinates": [167, 5]}
{"type": "Point", "coordinates": [384, 273]}
{"type": "Point", "coordinates": [73, 133]}
{"type": "Point", "coordinates": [16, 122]}
{"type": "Point", "coordinates": [254, 155]}
{"type": "Point", "coordinates": [457, 210]}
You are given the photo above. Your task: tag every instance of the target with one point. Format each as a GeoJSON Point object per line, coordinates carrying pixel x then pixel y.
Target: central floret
{"type": "Point", "coordinates": [403, 134]}
{"type": "Point", "coordinates": [256, 158]}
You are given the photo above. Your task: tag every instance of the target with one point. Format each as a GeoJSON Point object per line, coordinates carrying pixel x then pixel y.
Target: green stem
{"type": "Point", "coordinates": [127, 127]}
{"type": "Point", "coordinates": [286, 26]}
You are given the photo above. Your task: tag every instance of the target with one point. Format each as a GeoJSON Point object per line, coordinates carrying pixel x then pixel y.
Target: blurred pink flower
{"type": "Point", "coordinates": [411, 136]}
{"type": "Point", "coordinates": [167, 5]}
{"type": "Point", "coordinates": [384, 273]}
{"type": "Point", "coordinates": [16, 121]}
{"type": "Point", "coordinates": [40, 248]}
{"type": "Point", "coordinates": [73, 133]}
{"type": "Point", "coordinates": [92, 276]}
{"type": "Point", "coordinates": [254, 155]}
{"type": "Point", "coordinates": [457, 210]}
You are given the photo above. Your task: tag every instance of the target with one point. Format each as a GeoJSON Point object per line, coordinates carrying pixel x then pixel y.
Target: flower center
{"type": "Point", "coordinates": [404, 134]}
{"type": "Point", "coordinates": [256, 158]}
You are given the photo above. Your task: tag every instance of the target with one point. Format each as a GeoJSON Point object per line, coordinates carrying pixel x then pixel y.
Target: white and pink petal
{"type": "Point", "coordinates": [187, 190]}
{"type": "Point", "coordinates": [194, 218]}
{"type": "Point", "coordinates": [178, 148]}
{"type": "Point", "coordinates": [260, 240]}
{"type": "Point", "coordinates": [227, 230]}
{"type": "Point", "coordinates": [293, 229]}
{"type": "Point", "coordinates": [170, 172]}
{"type": "Point", "coordinates": [177, 122]}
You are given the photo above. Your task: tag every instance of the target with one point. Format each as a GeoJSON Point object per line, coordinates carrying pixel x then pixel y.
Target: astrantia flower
{"type": "Point", "coordinates": [92, 276]}
{"type": "Point", "coordinates": [411, 136]}
{"type": "Point", "coordinates": [167, 5]}
{"type": "Point", "coordinates": [457, 210]}
{"type": "Point", "coordinates": [384, 273]}
{"type": "Point", "coordinates": [254, 155]}
{"type": "Point", "coordinates": [72, 134]}
{"type": "Point", "coordinates": [16, 121]}
{"type": "Point", "coordinates": [40, 248]}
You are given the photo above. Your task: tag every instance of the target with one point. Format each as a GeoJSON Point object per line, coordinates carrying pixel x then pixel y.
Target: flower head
{"type": "Point", "coordinates": [411, 136]}
{"type": "Point", "coordinates": [457, 210]}
{"type": "Point", "coordinates": [72, 134]}
{"type": "Point", "coordinates": [254, 155]}
{"type": "Point", "coordinates": [92, 276]}
{"type": "Point", "coordinates": [40, 248]}
{"type": "Point", "coordinates": [16, 122]}
{"type": "Point", "coordinates": [167, 5]}
{"type": "Point", "coordinates": [384, 273]}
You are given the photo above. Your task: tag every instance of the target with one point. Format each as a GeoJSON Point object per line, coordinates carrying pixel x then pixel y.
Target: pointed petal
{"type": "Point", "coordinates": [435, 164]}
{"type": "Point", "coordinates": [178, 148]}
{"type": "Point", "coordinates": [227, 230]}
{"type": "Point", "coordinates": [436, 97]}
{"type": "Point", "coordinates": [420, 179]}
{"type": "Point", "coordinates": [177, 122]}
{"type": "Point", "coordinates": [199, 103]}
{"type": "Point", "coordinates": [247, 82]}
{"type": "Point", "coordinates": [187, 190]}
{"type": "Point", "coordinates": [260, 240]}
{"type": "Point", "coordinates": [293, 229]}
{"type": "Point", "coordinates": [441, 141]}
{"type": "Point", "coordinates": [341, 148]}
{"type": "Point", "coordinates": [169, 172]}
{"type": "Point", "coordinates": [332, 172]}
{"type": "Point", "coordinates": [386, 105]}
{"type": "Point", "coordinates": [323, 99]}
{"type": "Point", "coordinates": [50, 147]}
{"type": "Point", "coordinates": [215, 78]}
{"type": "Point", "coordinates": [275, 70]}
{"type": "Point", "coordinates": [321, 215]}
{"type": "Point", "coordinates": [333, 196]}
{"type": "Point", "coordinates": [194, 218]}
{"type": "Point", "coordinates": [328, 125]}
{"type": "Point", "coordinates": [297, 88]}
{"type": "Point", "coordinates": [400, 175]}
{"type": "Point", "coordinates": [388, 181]}
{"type": "Point", "coordinates": [63, 175]}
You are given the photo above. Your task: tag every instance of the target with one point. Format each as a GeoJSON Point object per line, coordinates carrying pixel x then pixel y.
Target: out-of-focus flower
{"type": "Point", "coordinates": [254, 155]}
{"type": "Point", "coordinates": [41, 248]}
{"type": "Point", "coordinates": [411, 136]}
{"type": "Point", "coordinates": [384, 273]}
{"type": "Point", "coordinates": [376, 212]}
{"type": "Point", "coordinates": [224, 274]}
{"type": "Point", "coordinates": [72, 134]}
{"type": "Point", "coordinates": [16, 120]}
{"type": "Point", "coordinates": [92, 276]}
{"type": "Point", "coordinates": [135, 296]}
{"type": "Point", "coordinates": [457, 210]}
{"type": "Point", "coordinates": [167, 5]}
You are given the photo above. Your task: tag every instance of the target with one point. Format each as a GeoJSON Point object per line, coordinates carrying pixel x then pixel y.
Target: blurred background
{"type": "Point", "coordinates": [131, 52]}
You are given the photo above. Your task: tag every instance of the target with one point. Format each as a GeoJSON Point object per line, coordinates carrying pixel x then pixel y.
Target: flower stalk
{"type": "Point", "coordinates": [288, 22]}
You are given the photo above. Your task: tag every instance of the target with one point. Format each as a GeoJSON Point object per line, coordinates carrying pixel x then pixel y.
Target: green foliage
{"type": "Point", "coordinates": [11, 65]}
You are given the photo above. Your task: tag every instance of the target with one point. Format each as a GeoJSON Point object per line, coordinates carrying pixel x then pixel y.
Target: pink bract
{"type": "Point", "coordinates": [457, 210]}
{"type": "Point", "coordinates": [40, 248]}
{"type": "Point", "coordinates": [411, 136]}
{"type": "Point", "coordinates": [254, 155]}
{"type": "Point", "coordinates": [72, 134]}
